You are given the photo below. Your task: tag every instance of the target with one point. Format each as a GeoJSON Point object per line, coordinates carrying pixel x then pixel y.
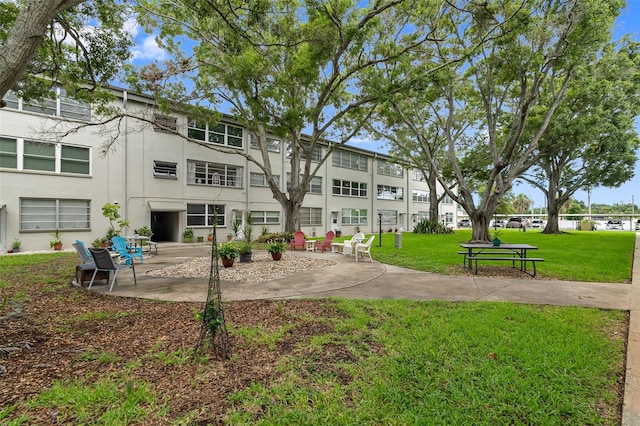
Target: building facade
{"type": "Point", "coordinates": [168, 183]}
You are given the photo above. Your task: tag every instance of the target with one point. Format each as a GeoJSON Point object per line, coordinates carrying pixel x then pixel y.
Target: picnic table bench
{"type": "Point", "coordinates": [514, 253]}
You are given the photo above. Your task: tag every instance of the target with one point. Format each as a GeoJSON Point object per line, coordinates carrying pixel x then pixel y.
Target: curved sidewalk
{"type": "Point", "coordinates": [364, 280]}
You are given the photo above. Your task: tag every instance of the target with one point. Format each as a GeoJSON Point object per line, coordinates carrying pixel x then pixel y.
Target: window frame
{"type": "Point", "coordinates": [218, 134]}
{"type": "Point", "coordinates": [265, 217]}
{"type": "Point", "coordinates": [338, 188]}
{"type": "Point", "coordinates": [207, 178]}
{"type": "Point", "coordinates": [57, 211]}
{"type": "Point", "coordinates": [347, 216]}
{"type": "Point", "coordinates": [165, 169]}
{"type": "Point", "coordinates": [388, 168]}
{"type": "Point", "coordinates": [397, 192]}
{"type": "Point", "coordinates": [208, 214]}
{"type": "Point", "coordinates": [350, 160]}
{"type": "Point", "coordinates": [420, 195]}
{"type": "Point", "coordinates": [310, 216]}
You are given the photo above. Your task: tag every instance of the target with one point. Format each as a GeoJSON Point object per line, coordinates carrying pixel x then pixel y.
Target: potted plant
{"type": "Point", "coordinates": [97, 243]}
{"type": "Point", "coordinates": [56, 243]}
{"type": "Point", "coordinates": [276, 249]}
{"type": "Point", "coordinates": [210, 236]}
{"type": "Point", "coordinates": [15, 246]}
{"type": "Point", "coordinates": [245, 252]}
{"type": "Point", "coordinates": [227, 254]}
{"type": "Point", "coordinates": [496, 240]}
{"type": "Point", "coordinates": [200, 239]}
{"type": "Point", "coordinates": [187, 235]}
{"type": "Point", "coordinates": [313, 231]}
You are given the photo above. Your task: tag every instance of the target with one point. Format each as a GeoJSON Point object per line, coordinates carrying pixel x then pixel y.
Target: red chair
{"type": "Point", "coordinates": [298, 240]}
{"type": "Point", "coordinates": [326, 244]}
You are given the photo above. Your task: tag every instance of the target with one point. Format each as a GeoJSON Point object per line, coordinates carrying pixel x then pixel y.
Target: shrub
{"type": "Point", "coordinates": [228, 250]}
{"type": "Point", "coordinates": [276, 247]}
{"type": "Point", "coordinates": [282, 237]}
{"type": "Point", "coordinates": [425, 226]}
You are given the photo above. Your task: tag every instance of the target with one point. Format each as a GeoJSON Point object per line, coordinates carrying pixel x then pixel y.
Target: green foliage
{"type": "Point", "coordinates": [112, 212]}
{"type": "Point", "coordinates": [56, 238]}
{"type": "Point", "coordinates": [245, 248]}
{"type": "Point", "coordinates": [211, 317]}
{"type": "Point", "coordinates": [425, 226]}
{"type": "Point", "coordinates": [16, 243]}
{"type": "Point", "coordinates": [187, 235]}
{"type": "Point", "coordinates": [145, 231]}
{"type": "Point", "coordinates": [275, 236]}
{"type": "Point", "coordinates": [228, 250]}
{"type": "Point", "coordinates": [83, 58]}
{"type": "Point", "coordinates": [276, 247]}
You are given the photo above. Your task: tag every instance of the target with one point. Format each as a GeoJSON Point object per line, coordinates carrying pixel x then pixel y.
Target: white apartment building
{"type": "Point", "coordinates": [165, 182]}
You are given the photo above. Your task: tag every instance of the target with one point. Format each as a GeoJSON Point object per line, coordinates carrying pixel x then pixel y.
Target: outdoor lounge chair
{"type": "Point", "coordinates": [347, 249]}
{"type": "Point", "coordinates": [326, 244]}
{"type": "Point", "coordinates": [298, 241]}
{"type": "Point", "coordinates": [364, 248]}
{"type": "Point", "coordinates": [84, 254]}
{"type": "Point", "coordinates": [125, 251]}
{"type": "Point", "coordinates": [104, 262]}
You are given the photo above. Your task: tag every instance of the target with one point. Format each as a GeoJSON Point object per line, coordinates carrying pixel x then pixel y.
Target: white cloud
{"type": "Point", "coordinates": [147, 50]}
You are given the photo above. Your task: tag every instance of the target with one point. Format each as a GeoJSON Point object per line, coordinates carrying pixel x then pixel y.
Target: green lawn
{"type": "Point", "coordinates": [599, 256]}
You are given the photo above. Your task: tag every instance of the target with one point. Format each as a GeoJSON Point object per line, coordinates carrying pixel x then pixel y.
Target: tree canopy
{"type": "Point", "coordinates": [79, 45]}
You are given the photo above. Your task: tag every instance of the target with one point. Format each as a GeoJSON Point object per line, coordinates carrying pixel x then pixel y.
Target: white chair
{"type": "Point", "coordinates": [365, 248]}
{"type": "Point", "coordinates": [347, 248]}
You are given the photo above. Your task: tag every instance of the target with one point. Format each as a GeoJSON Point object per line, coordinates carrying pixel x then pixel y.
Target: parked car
{"type": "Point", "coordinates": [464, 223]}
{"type": "Point", "coordinates": [614, 224]}
{"type": "Point", "coordinates": [537, 223]}
{"type": "Point", "coordinates": [499, 223]}
{"type": "Point", "coordinates": [638, 225]}
{"type": "Point", "coordinates": [517, 222]}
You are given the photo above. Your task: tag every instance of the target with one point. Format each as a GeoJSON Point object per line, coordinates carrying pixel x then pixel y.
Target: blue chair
{"type": "Point", "coordinates": [84, 254]}
{"type": "Point", "coordinates": [104, 262]}
{"type": "Point", "coordinates": [125, 251]}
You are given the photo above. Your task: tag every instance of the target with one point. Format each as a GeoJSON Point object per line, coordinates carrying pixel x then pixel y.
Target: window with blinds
{"type": "Point", "coordinates": [42, 214]}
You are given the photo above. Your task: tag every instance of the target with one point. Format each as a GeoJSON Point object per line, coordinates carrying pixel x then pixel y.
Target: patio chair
{"type": "Point", "coordinates": [347, 248]}
{"type": "Point", "coordinates": [298, 241]}
{"type": "Point", "coordinates": [365, 248]}
{"type": "Point", "coordinates": [125, 251]}
{"type": "Point", "coordinates": [84, 254]}
{"type": "Point", "coordinates": [104, 262]}
{"type": "Point", "coordinates": [326, 244]}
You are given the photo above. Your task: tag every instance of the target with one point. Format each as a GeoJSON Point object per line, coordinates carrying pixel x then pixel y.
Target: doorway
{"type": "Point", "coordinates": [164, 226]}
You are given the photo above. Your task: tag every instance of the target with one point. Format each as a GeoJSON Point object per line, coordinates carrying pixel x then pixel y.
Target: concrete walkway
{"type": "Point", "coordinates": [364, 280]}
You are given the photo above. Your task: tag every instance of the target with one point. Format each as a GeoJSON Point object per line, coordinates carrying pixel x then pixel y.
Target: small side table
{"type": "Point", "coordinates": [310, 245]}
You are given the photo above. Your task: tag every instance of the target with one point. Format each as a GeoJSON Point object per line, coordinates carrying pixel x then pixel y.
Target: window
{"type": "Point", "coordinates": [164, 169]}
{"type": "Point", "coordinates": [447, 200]}
{"type": "Point", "coordinates": [260, 179]}
{"type": "Point", "coordinates": [205, 215]}
{"type": "Point", "coordinates": [59, 105]}
{"type": "Point", "coordinates": [74, 159]}
{"type": "Point", "coordinates": [8, 153]}
{"type": "Point", "coordinates": [215, 174]}
{"type": "Point", "coordinates": [265, 217]}
{"type": "Point", "coordinates": [165, 123]}
{"type": "Point", "coordinates": [316, 154]}
{"type": "Point", "coordinates": [386, 192]}
{"type": "Point", "coordinates": [39, 156]}
{"type": "Point", "coordinates": [389, 217]}
{"type": "Point", "coordinates": [349, 188]}
{"type": "Point", "coordinates": [221, 134]}
{"type": "Point", "coordinates": [350, 160]}
{"type": "Point", "coordinates": [390, 169]}
{"type": "Point", "coordinates": [417, 174]}
{"type": "Point", "coordinates": [273, 145]}
{"type": "Point", "coordinates": [315, 184]}
{"type": "Point", "coordinates": [310, 216]}
{"type": "Point", "coordinates": [47, 157]}
{"type": "Point", "coordinates": [420, 196]}
{"type": "Point", "coordinates": [50, 214]}
{"type": "Point", "coordinates": [354, 216]}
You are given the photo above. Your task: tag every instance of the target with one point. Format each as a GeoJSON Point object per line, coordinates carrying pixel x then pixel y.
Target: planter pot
{"type": "Point", "coordinates": [188, 240]}
{"type": "Point", "coordinates": [276, 256]}
{"type": "Point", "coordinates": [103, 244]}
{"type": "Point", "coordinates": [496, 242]}
{"type": "Point", "coordinates": [245, 257]}
{"type": "Point", "coordinates": [209, 237]}
{"type": "Point", "coordinates": [226, 262]}
{"type": "Point", "coordinates": [229, 237]}
{"type": "Point", "coordinates": [57, 246]}
{"type": "Point", "coordinates": [200, 239]}
{"type": "Point", "coordinates": [16, 250]}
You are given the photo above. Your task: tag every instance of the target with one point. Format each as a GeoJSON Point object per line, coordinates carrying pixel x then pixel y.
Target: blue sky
{"type": "Point", "coordinates": [628, 22]}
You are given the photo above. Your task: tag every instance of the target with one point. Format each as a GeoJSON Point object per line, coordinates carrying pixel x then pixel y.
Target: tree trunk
{"type": "Point", "coordinates": [25, 37]}
{"type": "Point", "coordinates": [434, 203]}
{"type": "Point", "coordinates": [292, 216]}
{"type": "Point", "coordinates": [480, 227]}
{"type": "Point", "coordinates": [553, 216]}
